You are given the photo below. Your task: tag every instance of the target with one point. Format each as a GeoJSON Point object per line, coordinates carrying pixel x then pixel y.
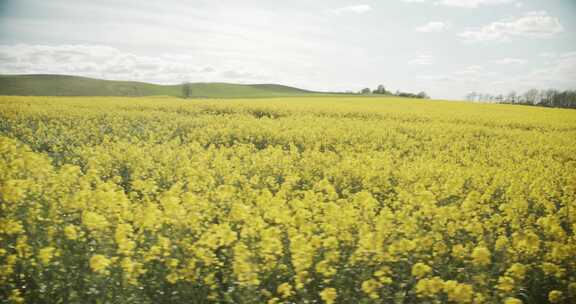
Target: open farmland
{"type": "Point", "coordinates": [285, 200]}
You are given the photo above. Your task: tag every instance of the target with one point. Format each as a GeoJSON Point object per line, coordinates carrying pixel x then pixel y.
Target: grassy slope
{"type": "Point", "coordinates": [240, 90]}
{"type": "Point", "coordinates": [61, 85]}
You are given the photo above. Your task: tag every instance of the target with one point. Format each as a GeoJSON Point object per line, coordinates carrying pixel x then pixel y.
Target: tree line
{"type": "Point", "coordinates": [545, 98]}
{"type": "Point", "coordinates": [381, 90]}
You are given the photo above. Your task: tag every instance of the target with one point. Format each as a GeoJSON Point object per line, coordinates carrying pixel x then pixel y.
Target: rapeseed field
{"type": "Point", "coordinates": [285, 200]}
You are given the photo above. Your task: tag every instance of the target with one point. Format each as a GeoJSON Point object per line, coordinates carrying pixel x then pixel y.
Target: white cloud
{"type": "Point", "coordinates": [548, 55]}
{"type": "Point", "coordinates": [467, 3]}
{"type": "Point", "coordinates": [472, 3]}
{"type": "Point", "coordinates": [559, 74]}
{"type": "Point", "coordinates": [510, 61]}
{"type": "Point", "coordinates": [470, 70]}
{"type": "Point", "coordinates": [111, 63]}
{"type": "Point", "coordinates": [434, 26]}
{"type": "Point", "coordinates": [534, 25]}
{"type": "Point", "coordinates": [422, 60]}
{"type": "Point", "coordinates": [436, 78]}
{"type": "Point", "coordinates": [569, 55]}
{"type": "Point", "coordinates": [357, 9]}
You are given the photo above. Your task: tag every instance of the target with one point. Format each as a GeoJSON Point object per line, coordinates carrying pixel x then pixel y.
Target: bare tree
{"type": "Point", "coordinates": [186, 90]}
{"type": "Point", "coordinates": [511, 98]}
{"type": "Point", "coordinates": [472, 96]}
{"type": "Point", "coordinates": [531, 96]}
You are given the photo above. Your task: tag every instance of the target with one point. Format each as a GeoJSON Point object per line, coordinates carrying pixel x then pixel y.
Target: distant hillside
{"type": "Point", "coordinates": [217, 89]}
{"type": "Point", "coordinates": [63, 85]}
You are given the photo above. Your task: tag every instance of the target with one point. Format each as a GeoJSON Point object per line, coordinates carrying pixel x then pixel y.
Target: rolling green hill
{"type": "Point", "coordinates": [63, 85]}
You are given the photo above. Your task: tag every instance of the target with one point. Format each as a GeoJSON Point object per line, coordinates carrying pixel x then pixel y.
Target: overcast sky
{"type": "Point", "coordinates": [444, 47]}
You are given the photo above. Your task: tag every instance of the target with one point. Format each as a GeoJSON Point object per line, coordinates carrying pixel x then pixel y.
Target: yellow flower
{"type": "Point", "coordinates": [501, 243]}
{"type": "Point", "coordinates": [10, 227]}
{"type": "Point", "coordinates": [285, 290]}
{"type": "Point", "coordinates": [94, 221]}
{"type": "Point", "coordinates": [273, 301]}
{"type": "Point", "coordinates": [420, 270]}
{"type": "Point", "coordinates": [328, 295]}
{"type": "Point", "coordinates": [131, 269]}
{"type": "Point", "coordinates": [46, 254]}
{"type": "Point", "coordinates": [385, 280]}
{"type": "Point", "coordinates": [16, 296]}
{"type": "Point", "coordinates": [555, 296]}
{"type": "Point", "coordinates": [458, 292]}
{"type": "Point", "coordinates": [429, 287]}
{"type": "Point", "coordinates": [99, 263]}
{"type": "Point", "coordinates": [172, 278]}
{"type": "Point", "coordinates": [22, 247]}
{"type": "Point", "coordinates": [459, 251]}
{"type": "Point", "coordinates": [13, 191]}
{"type": "Point", "coordinates": [506, 284]}
{"type": "Point", "coordinates": [553, 269]}
{"type": "Point", "coordinates": [324, 267]}
{"type": "Point", "coordinates": [71, 232]}
{"type": "Point", "coordinates": [481, 256]}
{"type": "Point", "coordinates": [517, 271]}
{"type": "Point", "coordinates": [370, 287]}
{"type": "Point", "coordinates": [512, 301]}
{"type": "Point", "coordinates": [244, 267]}
{"type": "Point", "coordinates": [123, 238]}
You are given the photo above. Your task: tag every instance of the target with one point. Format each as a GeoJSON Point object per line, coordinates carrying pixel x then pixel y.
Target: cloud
{"type": "Point", "coordinates": [111, 63]}
{"type": "Point", "coordinates": [472, 3]}
{"type": "Point", "coordinates": [533, 25]}
{"type": "Point", "coordinates": [559, 73]}
{"type": "Point", "coordinates": [435, 78]}
{"type": "Point", "coordinates": [471, 70]}
{"type": "Point", "coordinates": [467, 3]}
{"type": "Point", "coordinates": [242, 75]}
{"type": "Point", "coordinates": [463, 80]}
{"type": "Point", "coordinates": [548, 55]}
{"type": "Point", "coordinates": [422, 60]}
{"type": "Point", "coordinates": [510, 61]}
{"type": "Point", "coordinates": [357, 9]}
{"type": "Point", "coordinates": [434, 26]}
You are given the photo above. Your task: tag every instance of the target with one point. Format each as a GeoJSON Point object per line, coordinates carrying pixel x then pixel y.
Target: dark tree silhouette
{"type": "Point", "coordinates": [186, 90]}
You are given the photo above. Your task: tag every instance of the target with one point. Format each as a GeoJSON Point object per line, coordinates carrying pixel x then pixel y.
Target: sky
{"type": "Point", "coordinates": [446, 48]}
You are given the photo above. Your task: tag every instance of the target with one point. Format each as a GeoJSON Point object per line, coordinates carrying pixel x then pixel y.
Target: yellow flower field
{"type": "Point", "coordinates": [286, 200]}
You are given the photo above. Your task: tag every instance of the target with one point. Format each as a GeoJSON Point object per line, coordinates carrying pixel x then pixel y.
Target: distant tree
{"type": "Point", "coordinates": [423, 95]}
{"type": "Point", "coordinates": [488, 97]}
{"type": "Point", "coordinates": [473, 96]}
{"type": "Point", "coordinates": [531, 96]}
{"type": "Point", "coordinates": [546, 98]}
{"type": "Point", "coordinates": [186, 90]}
{"type": "Point", "coordinates": [365, 91]}
{"type": "Point", "coordinates": [511, 97]}
{"type": "Point", "coordinates": [380, 90]}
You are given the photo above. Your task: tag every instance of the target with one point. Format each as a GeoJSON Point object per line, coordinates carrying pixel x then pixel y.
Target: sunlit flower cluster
{"type": "Point", "coordinates": [287, 200]}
